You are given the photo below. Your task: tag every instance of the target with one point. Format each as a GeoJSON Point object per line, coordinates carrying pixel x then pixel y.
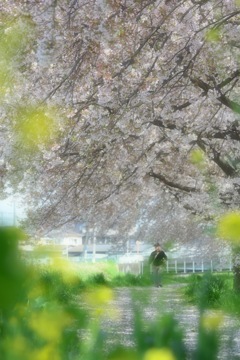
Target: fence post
{"type": "Point", "coordinates": [202, 266]}
{"type": "Point", "coordinates": [211, 266]}
{"type": "Point", "coordinates": [176, 266]}
{"type": "Point", "coordinates": [167, 267]}
{"type": "Point", "coordinates": [184, 267]}
{"type": "Point", "coordinates": [193, 267]}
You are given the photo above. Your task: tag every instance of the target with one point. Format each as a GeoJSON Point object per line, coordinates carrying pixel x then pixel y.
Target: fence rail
{"type": "Point", "coordinates": [186, 266]}
{"type": "Point", "coordinates": [181, 266]}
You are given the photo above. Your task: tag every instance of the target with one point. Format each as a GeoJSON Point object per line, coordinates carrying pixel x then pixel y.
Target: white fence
{"type": "Point", "coordinates": [182, 266]}
{"type": "Point", "coordinates": [200, 265]}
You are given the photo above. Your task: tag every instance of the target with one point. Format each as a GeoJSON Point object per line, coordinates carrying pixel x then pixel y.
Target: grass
{"type": "Point", "coordinates": [87, 270]}
{"type": "Point", "coordinates": [107, 273]}
{"type": "Point", "coordinates": [213, 290]}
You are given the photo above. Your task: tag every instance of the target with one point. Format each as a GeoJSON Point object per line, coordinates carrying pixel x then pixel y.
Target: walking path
{"type": "Point", "coordinates": [160, 301]}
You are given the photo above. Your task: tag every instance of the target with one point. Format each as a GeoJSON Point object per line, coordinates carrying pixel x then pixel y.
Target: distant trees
{"type": "Point", "coordinates": [138, 101]}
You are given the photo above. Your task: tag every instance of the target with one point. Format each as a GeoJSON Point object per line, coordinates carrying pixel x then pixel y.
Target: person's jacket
{"type": "Point", "coordinates": [157, 259]}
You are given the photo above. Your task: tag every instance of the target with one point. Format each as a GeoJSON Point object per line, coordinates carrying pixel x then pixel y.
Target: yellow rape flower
{"type": "Point", "coordinates": [197, 157]}
{"type": "Point", "coordinates": [48, 352]}
{"type": "Point", "coordinates": [213, 35]}
{"type": "Point", "coordinates": [159, 354]}
{"type": "Point", "coordinates": [35, 292]}
{"type": "Point", "coordinates": [212, 321]}
{"type": "Point", "coordinates": [66, 268]}
{"type": "Point", "coordinates": [229, 227]}
{"type": "Point", "coordinates": [36, 125]}
{"type": "Point", "coordinates": [49, 324]}
{"type": "Point", "coordinates": [99, 299]}
{"type": "Point", "coordinates": [100, 296]}
{"type": "Point", "coordinates": [17, 345]}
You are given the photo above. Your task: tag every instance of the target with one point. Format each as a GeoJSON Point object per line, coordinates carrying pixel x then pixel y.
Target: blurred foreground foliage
{"type": "Point", "coordinates": [38, 317]}
{"type": "Point", "coordinates": [49, 313]}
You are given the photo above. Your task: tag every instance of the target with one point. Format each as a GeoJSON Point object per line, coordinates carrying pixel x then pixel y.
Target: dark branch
{"type": "Point", "coordinates": [201, 84]}
{"type": "Point", "coordinates": [182, 106]}
{"type": "Point", "coordinates": [229, 79]}
{"type": "Point", "coordinates": [170, 183]}
{"type": "Point", "coordinates": [159, 122]}
{"type": "Point", "coordinates": [232, 134]}
{"type": "Point", "coordinates": [225, 167]}
{"type": "Point", "coordinates": [234, 106]}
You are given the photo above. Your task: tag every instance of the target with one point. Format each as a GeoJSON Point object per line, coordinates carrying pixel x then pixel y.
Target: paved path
{"type": "Point", "coordinates": [161, 301]}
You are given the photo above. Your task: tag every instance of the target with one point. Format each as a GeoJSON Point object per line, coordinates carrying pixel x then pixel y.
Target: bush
{"type": "Point", "coordinates": [97, 279]}
{"type": "Point", "coordinates": [192, 287]}
{"type": "Point", "coordinates": [206, 290]}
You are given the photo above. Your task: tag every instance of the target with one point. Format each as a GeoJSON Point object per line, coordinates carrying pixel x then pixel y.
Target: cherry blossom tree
{"type": "Point", "coordinates": [124, 102]}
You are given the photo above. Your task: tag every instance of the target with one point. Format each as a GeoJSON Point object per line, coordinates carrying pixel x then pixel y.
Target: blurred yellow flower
{"type": "Point", "coordinates": [49, 323]}
{"type": "Point", "coordinates": [48, 352]}
{"type": "Point", "coordinates": [159, 354]}
{"type": "Point", "coordinates": [36, 125]}
{"type": "Point", "coordinates": [35, 292]}
{"type": "Point", "coordinates": [212, 321]}
{"type": "Point", "coordinates": [16, 34]}
{"type": "Point", "coordinates": [98, 299]}
{"type": "Point", "coordinates": [100, 296]}
{"type": "Point", "coordinates": [16, 346]}
{"type": "Point", "coordinates": [6, 79]}
{"type": "Point", "coordinates": [67, 269]}
{"type": "Point", "coordinates": [197, 157]}
{"type": "Point", "coordinates": [229, 227]}
{"type": "Point", "coordinates": [213, 35]}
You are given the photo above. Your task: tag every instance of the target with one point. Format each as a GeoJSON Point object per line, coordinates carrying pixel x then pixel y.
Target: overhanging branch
{"type": "Point", "coordinates": [171, 183]}
{"type": "Point", "coordinates": [224, 166]}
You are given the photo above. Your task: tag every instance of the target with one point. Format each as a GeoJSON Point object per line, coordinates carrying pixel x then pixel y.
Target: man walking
{"type": "Point", "coordinates": [156, 260]}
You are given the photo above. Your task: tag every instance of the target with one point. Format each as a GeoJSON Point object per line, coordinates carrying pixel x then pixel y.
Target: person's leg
{"type": "Point", "coordinates": [159, 277]}
{"type": "Point", "coordinates": [156, 276]}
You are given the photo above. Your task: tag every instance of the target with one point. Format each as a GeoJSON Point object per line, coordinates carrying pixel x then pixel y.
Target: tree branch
{"type": "Point", "coordinates": [234, 106]}
{"type": "Point", "coordinates": [170, 183]}
{"type": "Point", "coordinates": [229, 79]}
{"type": "Point", "coordinates": [159, 122]}
{"type": "Point", "coordinates": [225, 167]}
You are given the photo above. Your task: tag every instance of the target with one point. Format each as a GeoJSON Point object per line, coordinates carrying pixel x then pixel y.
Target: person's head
{"type": "Point", "coordinates": [157, 247]}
